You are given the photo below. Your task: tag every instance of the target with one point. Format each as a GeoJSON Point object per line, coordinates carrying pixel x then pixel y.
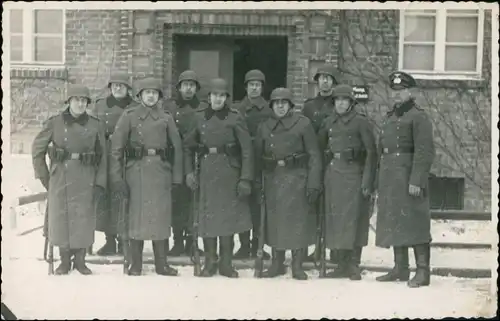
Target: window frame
{"type": "Point", "coordinates": [441, 14]}
{"type": "Point", "coordinates": [29, 36]}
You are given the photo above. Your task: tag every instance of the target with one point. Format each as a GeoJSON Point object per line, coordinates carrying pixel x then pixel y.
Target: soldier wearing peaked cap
{"type": "Point", "coordinates": [108, 110]}
{"type": "Point", "coordinates": [406, 150]}
{"type": "Point", "coordinates": [255, 109]}
{"type": "Point", "coordinates": [183, 109]}
{"type": "Point", "coordinates": [348, 142]}
{"type": "Point", "coordinates": [75, 178]}
{"type": "Point", "coordinates": [219, 136]}
{"type": "Point", "coordinates": [289, 162]}
{"type": "Point", "coordinates": [320, 107]}
{"type": "Point", "coordinates": [140, 146]}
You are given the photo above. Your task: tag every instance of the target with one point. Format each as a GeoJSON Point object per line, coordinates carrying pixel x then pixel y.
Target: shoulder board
{"type": "Point", "coordinates": [93, 116]}
{"type": "Point", "coordinates": [360, 113]}
{"type": "Point", "coordinates": [100, 98]}
{"type": "Point", "coordinates": [309, 99]}
{"type": "Point", "coordinates": [418, 107]}
{"type": "Point", "coordinates": [52, 117]}
{"type": "Point", "coordinates": [130, 109]}
{"type": "Point", "coordinates": [234, 110]}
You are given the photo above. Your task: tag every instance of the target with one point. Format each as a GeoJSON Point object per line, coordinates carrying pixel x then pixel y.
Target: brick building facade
{"type": "Point", "coordinates": [288, 46]}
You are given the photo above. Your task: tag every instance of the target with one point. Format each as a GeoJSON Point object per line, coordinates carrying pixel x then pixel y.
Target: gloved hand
{"type": "Point", "coordinates": [191, 181]}
{"type": "Point", "coordinates": [312, 195]}
{"type": "Point", "coordinates": [365, 192]}
{"type": "Point", "coordinates": [244, 188]}
{"type": "Point", "coordinates": [120, 189]}
{"type": "Point", "coordinates": [45, 182]}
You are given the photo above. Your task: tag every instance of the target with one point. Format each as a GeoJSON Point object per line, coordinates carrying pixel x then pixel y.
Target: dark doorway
{"type": "Point", "coordinates": [230, 58]}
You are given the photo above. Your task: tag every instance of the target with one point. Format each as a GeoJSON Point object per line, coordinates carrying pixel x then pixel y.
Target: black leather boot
{"type": "Point", "coordinates": [226, 257]}
{"type": "Point", "coordinates": [334, 257]}
{"type": "Point", "coordinates": [277, 267]}
{"type": "Point", "coordinates": [178, 249]}
{"type": "Point", "coordinates": [244, 250]}
{"type": "Point", "coordinates": [80, 262]}
{"type": "Point", "coordinates": [298, 272]}
{"type": "Point", "coordinates": [354, 262]}
{"type": "Point", "coordinates": [422, 276]}
{"type": "Point", "coordinates": [342, 270]}
{"type": "Point", "coordinates": [109, 247]}
{"type": "Point", "coordinates": [190, 246]}
{"type": "Point", "coordinates": [255, 247]}
{"type": "Point", "coordinates": [210, 266]}
{"type": "Point", "coordinates": [401, 270]}
{"type": "Point", "coordinates": [136, 248]}
{"type": "Point", "coordinates": [65, 265]}
{"type": "Point", "coordinates": [161, 265]}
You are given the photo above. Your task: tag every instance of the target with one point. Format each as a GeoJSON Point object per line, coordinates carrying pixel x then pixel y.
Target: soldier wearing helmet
{"type": "Point", "coordinates": [289, 167]}
{"type": "Point", "coordinates": [318, 108]}
{"type": "Point", "coordinates": [75, 179]}
{"type": "Point", "coordinates": [347, 141]}
{"type": "Point", "coordinates": [182, 108]}
{"type": "Point", "coordinates": [143, 171]}
{"type": "Point", "coordinates": [220, 138]}
{"type": "Point", "coordinates": [254, 109]}
{"type": "Point", "coordinates": [108, 110]}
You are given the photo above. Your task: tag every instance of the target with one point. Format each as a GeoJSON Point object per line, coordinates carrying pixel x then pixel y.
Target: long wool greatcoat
{"type": "Point", "coordinates": [404, 220]}
{"type": "Point", "coordinates": [71, 203]}
{"type": "Point", "coordinates": [255, 112]}
{"type": "Point", "coordinates": [183, 112]}
{"type": "Point", "coordinates": [149, 179]}
{"type": "Point", "coordinates": [346, 209]}
{"type": "Point", "coordinates": [221, 211]}
{"type": "Point", "coordinates": [287, 221]}
{"type": "Point", "coordinates": [109, 110]}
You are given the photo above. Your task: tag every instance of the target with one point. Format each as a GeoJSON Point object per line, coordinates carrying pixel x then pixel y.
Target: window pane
{"type": "Point", "coordinates": [461, 29]}
{"type": "Point", "coordinates": [48, 49]}
{"type": "Point", "coordinates": [48, 21]}
{"type": "Point", "coordinates": [16, 21]}
{"type": "Point", "coordinates": [418, 57]}
{"type": "Point", "coordinates": [420, 28]}
{"type": "Point", "coordinates": [318, 24]}
{"type": "Point", "coordinates": [16, 48]}
{"type": "Point", "coordinates": [461, 11]}
{"type": "Point", "coordinates": [416, 11]}
{"type": "Point", "coordinates": [460, 58]}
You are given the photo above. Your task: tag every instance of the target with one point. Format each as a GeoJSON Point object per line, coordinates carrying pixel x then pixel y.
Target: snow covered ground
{"type": "Point", "coordinates": [32, 294]}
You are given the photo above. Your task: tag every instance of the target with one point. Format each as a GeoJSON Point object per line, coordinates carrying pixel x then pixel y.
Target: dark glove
{"type": "Point", "coordinates": [244, 188]}
{"type": "Point", "coordinates": [120, 189]}
{"type": "Point", "coordinates": [45, 182]}
{"type": "Point", "coordinates": [365, 192]}
{"type": "Point", "coordinates": [312, 196]}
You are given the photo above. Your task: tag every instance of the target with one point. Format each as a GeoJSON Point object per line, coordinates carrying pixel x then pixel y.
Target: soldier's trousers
{"type": "Point", "coordinates": [255, 212]}
{"type": "Point", "coordinates": [181, 211]}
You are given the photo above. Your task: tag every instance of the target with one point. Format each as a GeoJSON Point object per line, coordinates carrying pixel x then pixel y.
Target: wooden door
{"type": "Point", "coordinates": [210, 57]}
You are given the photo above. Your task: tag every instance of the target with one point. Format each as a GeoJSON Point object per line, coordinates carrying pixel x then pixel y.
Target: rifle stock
{"type": "Point", "coordinates": [195, 213]}
{"type": "Point", "coordinates": [259, 259]}
{"type": "Point", "coordinates": [124, 224]}
{"type": "Point", "coordinates": [322, 219]}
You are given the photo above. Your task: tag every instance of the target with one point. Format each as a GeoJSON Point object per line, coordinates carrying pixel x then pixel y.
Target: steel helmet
{"type": "Point", "coordinates": [327, 69]}
{"type": "Point", "coordinates": [188, 75]}
{"type": "Point", "coordinates": [281, 93]}
{"type": "Point", "coordinates": [343, 91]}
{"type": "Point", "coordinates": [78, 91]}
{"type": "Point", "coordinates": [119, 78]}
{"type": "Point", "coordinates": [149, 83]}
{"type": "Point", "coordinates": [219, 85]}
{"type": "Point", "coordinates": [255, 74]}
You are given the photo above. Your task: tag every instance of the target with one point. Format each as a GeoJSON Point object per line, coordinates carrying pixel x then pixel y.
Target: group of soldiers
{"type": "Point", "coordinates": [257, 168]}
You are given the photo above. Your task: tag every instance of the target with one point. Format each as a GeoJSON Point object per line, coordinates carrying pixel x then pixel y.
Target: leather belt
{"type": "Point", "coordinates": [398, 150]}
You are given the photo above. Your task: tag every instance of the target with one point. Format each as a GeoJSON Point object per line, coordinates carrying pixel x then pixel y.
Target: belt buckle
{"type": "Point", "coordinates": [212, 150]}
{"type": "Point", "coordinates": [281, 163]}
{"type": "Point", "coordinates": [75, 156]}
{"type": "Point", "coordinates": [386, 150]}
{"type": "Point", "coordinates": [151, 152]}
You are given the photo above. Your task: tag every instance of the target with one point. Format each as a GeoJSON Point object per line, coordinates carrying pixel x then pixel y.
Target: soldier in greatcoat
{"type": "Point", "coordinates": [142, 173]}
{"type": "Point", "coordinates": [109, 110]}
{"type": "Point", "coordinates": [289, 166]}
{"type": "Point", "coordinates": [219, 137]}
{"type": "Point", "coordinates": [183, 108]}
{"type": "Point", "coordinates": [317, 109]}
{"type": "Point", "coordinates": [406, 151]}
{"type": "Point", "coordinates": [255, 109]}
{"type": "Point", "coordinates": [347, 141]}
{"type": "Point", "coordinates": [75, 179]}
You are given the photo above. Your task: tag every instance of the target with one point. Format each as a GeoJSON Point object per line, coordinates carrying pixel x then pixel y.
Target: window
{"type": "Point", "coordinates": [441, 43]}
{"type": "Point", "coordinates": [37, 36]}
{"type": "Point", "coordinates": [446, 193]}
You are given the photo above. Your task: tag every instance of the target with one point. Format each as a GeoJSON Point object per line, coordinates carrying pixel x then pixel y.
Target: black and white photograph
{"type": "Point", "coordinates": [249, 160]}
